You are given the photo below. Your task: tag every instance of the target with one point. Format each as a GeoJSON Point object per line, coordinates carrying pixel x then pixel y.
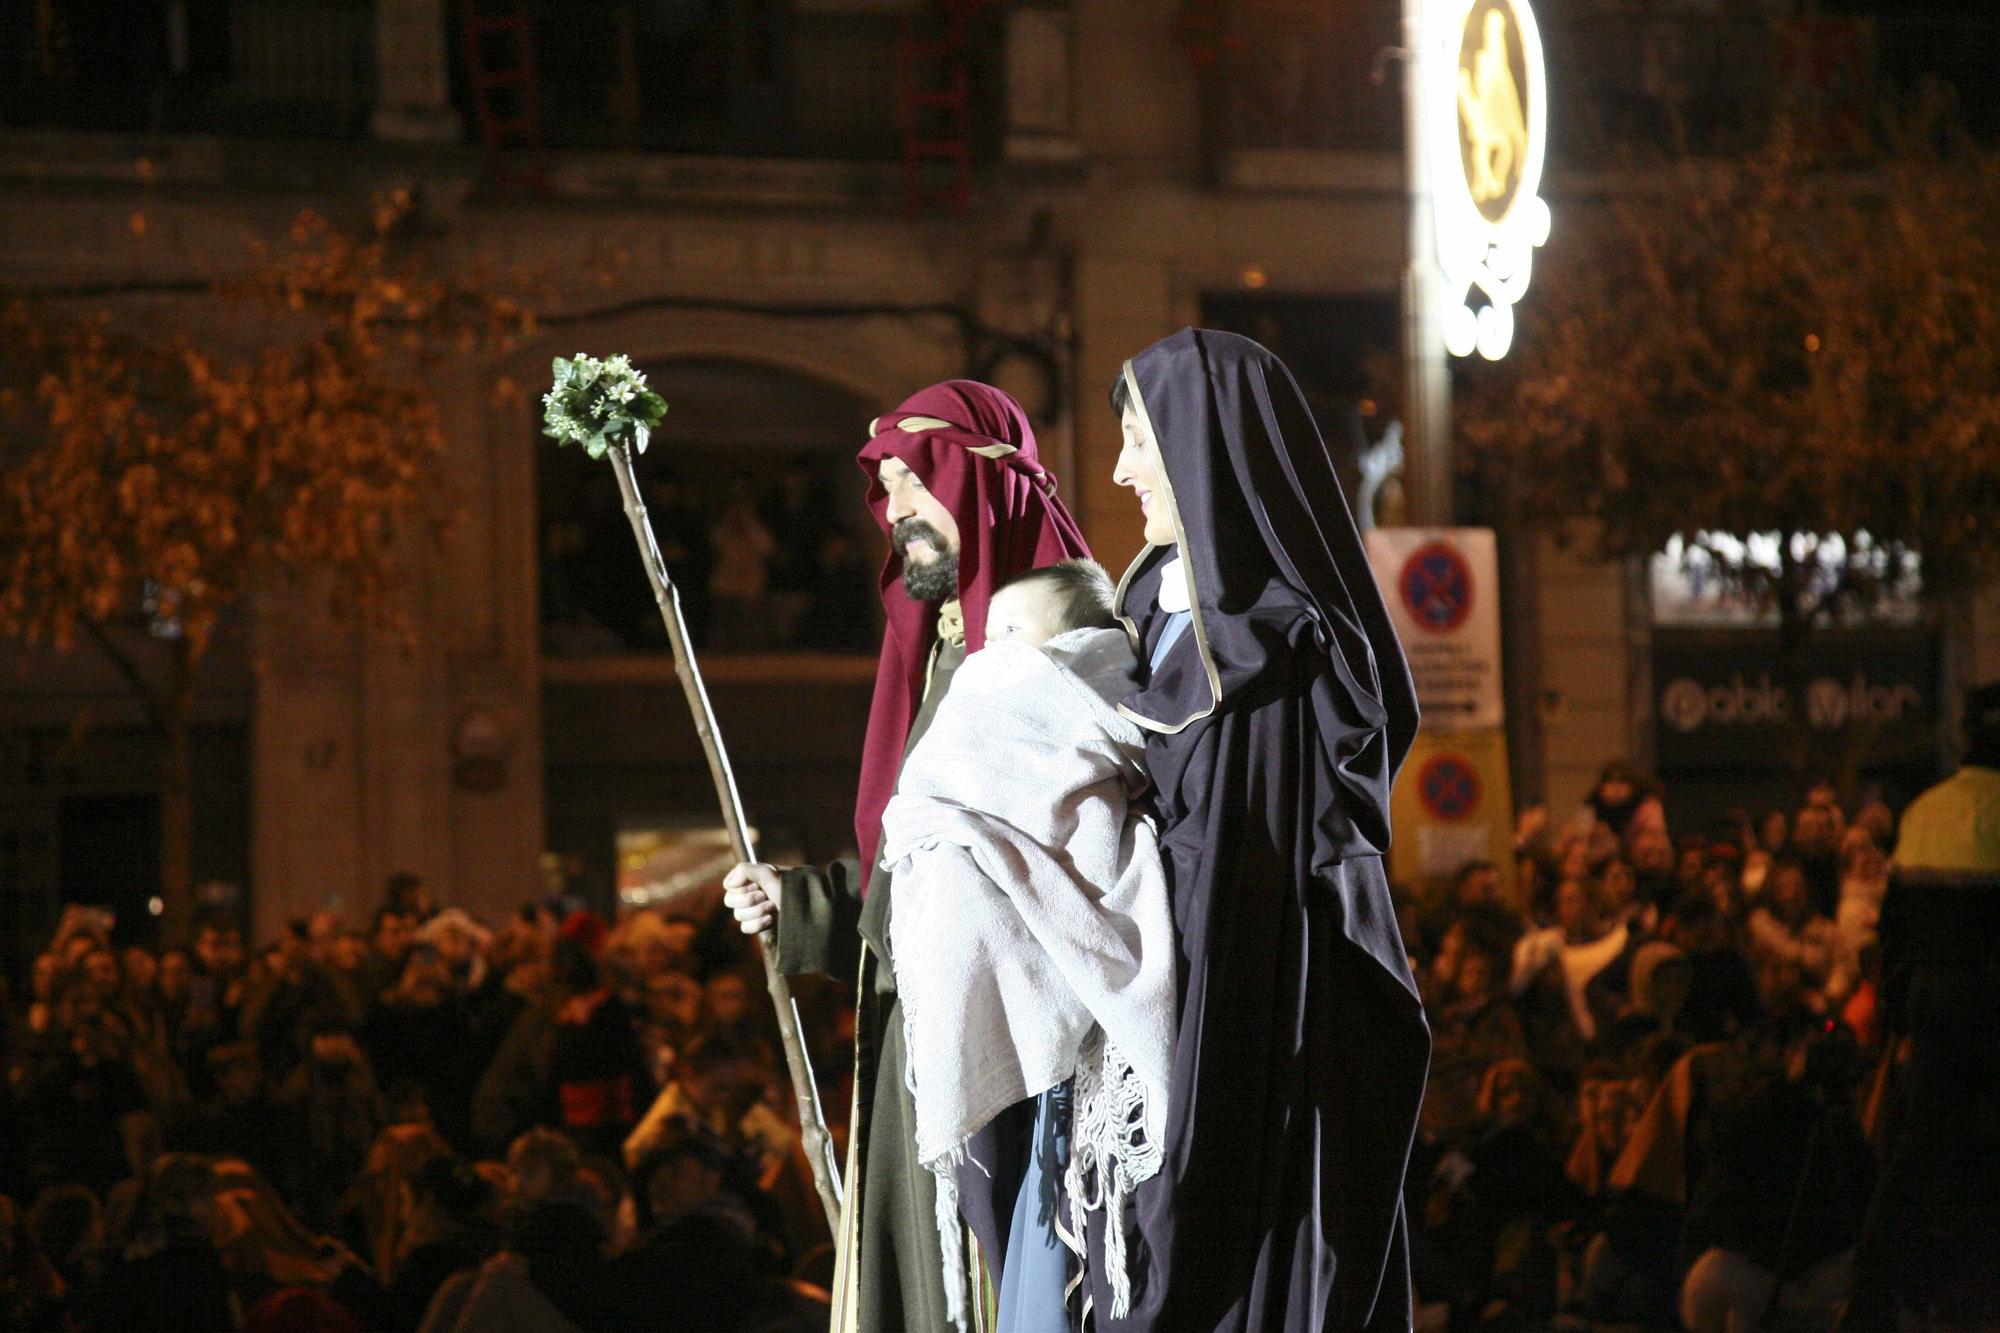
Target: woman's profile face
{"type": "Point", "coordinates": [1138, 469]}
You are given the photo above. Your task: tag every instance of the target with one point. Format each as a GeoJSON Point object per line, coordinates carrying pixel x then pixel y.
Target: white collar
{"type": "Point", "coordinates": [1173, 586]}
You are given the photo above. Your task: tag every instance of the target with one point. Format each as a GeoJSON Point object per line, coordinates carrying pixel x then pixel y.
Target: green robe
{"type": "Point", "coordinates": [890, 1259]}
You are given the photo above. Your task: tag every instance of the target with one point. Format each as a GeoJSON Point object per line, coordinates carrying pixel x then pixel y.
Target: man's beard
{"type": "Point", "coordinates": [934, 580]}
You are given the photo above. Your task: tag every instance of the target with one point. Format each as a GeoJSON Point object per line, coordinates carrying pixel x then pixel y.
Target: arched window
{"type": "Point", "coordinates": [758, 508]}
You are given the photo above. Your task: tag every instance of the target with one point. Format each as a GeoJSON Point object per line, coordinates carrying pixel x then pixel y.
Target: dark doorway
{"type": "Point", "coordinates": [759, 511]}
{"type": "Point", "coordinates": [110, 858]}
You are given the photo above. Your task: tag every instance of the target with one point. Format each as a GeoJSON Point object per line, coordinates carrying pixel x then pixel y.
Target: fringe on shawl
{"type": "Point", "coordinates": [1110, 1152]}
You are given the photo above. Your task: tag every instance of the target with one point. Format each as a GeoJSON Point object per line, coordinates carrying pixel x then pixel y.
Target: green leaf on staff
{"type": "Point", "coordinates": [600, 404]}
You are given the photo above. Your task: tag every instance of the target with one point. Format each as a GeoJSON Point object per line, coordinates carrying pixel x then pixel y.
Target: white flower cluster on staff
{"type": "Point", "coordinates": [600, 403]}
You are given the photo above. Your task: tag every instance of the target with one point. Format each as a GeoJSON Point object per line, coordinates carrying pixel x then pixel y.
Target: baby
{"type": "Point", "coordinates": [1032, 937]}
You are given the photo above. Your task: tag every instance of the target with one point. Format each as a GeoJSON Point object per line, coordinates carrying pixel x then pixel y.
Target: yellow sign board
{"type": "Point", "coordinates": [1452, 804]}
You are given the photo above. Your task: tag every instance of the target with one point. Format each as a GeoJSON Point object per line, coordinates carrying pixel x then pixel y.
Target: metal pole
{"type": "Point", "coordinates": [813, 1134]}
{"type": "Point", "coordinates": [1427, 468]}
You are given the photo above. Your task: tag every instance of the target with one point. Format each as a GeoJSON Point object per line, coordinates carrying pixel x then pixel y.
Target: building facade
{"type": "Point", "coordinates": [793, 215]}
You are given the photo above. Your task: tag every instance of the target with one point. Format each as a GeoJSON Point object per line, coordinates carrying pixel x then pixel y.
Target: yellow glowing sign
{"type": "Point", "coordinates": [1487, 122]}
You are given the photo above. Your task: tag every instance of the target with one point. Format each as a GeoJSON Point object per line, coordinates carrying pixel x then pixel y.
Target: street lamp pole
{"type": "Point", "coordinates": [1427, 466]}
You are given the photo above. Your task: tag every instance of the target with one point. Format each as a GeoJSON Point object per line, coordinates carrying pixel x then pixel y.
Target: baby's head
{"type": "Point", "coordinates": [1052, 600]}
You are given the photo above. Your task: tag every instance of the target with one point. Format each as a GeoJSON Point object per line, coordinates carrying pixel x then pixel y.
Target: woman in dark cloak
{"type": "Point", "coordinates": [1279, 706]}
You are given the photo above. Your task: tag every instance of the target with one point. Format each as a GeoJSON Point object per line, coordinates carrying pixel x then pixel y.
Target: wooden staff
{"type": "Point", "coordinates": [812, 1121]}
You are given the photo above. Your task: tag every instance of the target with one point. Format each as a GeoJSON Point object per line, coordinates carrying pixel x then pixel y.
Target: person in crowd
{"type": "Point", "coordinates": [417, 1035]}
{"type": "Point", "coordinates": [66, 1226]}
{"type": "Point", "coordinates": [165, 1273]}
{"type": "Point", "coordinates": [462, 944]}
{"type": "Point", "coordinates": [240, 1118]}
{"type": "Point", "coordinates": [737, 585]}
{"type": "Point", "coordinates": [216, 991]}
{"type": "Point", "coordinates": [553, 1276]}
{"type": "Point", "coordinates": [1864, 882]}
{"type": "Point", "coordinates": [1649, 854]}
{"type": "Point", "coordinates": [1620, 901]}
{"type": "Point", "coordinates": [1815, 845]}
{"type": "Point", "coordinates": [408, 896]}
{"type": "Point", "coordinates": [600, 1078]}
{"type": "Point", "coordinates": [512, 1095]}
{"type": "Point", "coordinates": [542, 1164]}
{"type": "Point", "coordinates": [694, 1252]}
{"type": "Point", "coordinates": [1775, 1217]}
{"type": "Point", "coordinates": [1608, 1103]}
{"type": "Point", "coordinates": [1473, 1026]}
{"type": "Point", "coordinates": [375, 1211]}
{"type": "Point", "coordinates": [1927, 1245]}
{"type": "Point", "coordinates": [1660, 978]}
{"type": "Point", "coordinates": [1790, 939]}
{"type": "Point", "coordinates": [672, 1003]}
{"type": "Point", "coordinates": [391, 936]}
{"type": "Point", "coordinates": [1707, 927]}
{"type": "Point", "coordinates": [801, 512]}
{"type": "Point", "coordinates": [337, 1107]}
{"type": "Point", "coordinates": [453, 1227]}
{"type": "Point", "coordinates": [839, 616]}
{"type": "Point", "coordinates": [91, 1122]}
{"type": "Point", "coordinates": [1626, 1269]}
{"type": "Point", "coordinates": [1495, 1200]}
{"type": "Point", "coordinates": [728, 1016]}
{"type": "Point", "coordinates": [1690, 865]}
{"type": "Point", "coordinates": [1624, 799]}
{"type": "Point", "coordinates": [1560, 963]}
{"type": "Point", "coordinates": [718, 1091]}
{"type": "Point", "coordinates": [266, 1249]}
{"type": "Point", "coordinates": [1477, 883]}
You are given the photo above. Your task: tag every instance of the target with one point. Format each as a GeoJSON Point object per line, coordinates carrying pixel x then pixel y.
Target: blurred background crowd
{"type": "Point", "coordinates": [417, 1120]}
{"type": "Point", "coordinates": [1652, 1102]}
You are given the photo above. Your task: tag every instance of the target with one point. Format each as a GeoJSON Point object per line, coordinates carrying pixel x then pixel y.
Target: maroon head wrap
{"type": "Point", "coordinates": [971, 446]}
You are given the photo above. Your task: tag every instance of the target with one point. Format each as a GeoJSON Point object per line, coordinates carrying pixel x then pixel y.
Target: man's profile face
{"type": "Point", "coordinates": [923, 531]}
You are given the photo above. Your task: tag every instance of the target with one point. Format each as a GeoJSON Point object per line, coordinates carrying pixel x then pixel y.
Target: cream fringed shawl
{"type": "Point", "coordinates": [1033, 939]}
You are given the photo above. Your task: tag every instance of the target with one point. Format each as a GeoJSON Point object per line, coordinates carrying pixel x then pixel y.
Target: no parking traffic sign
{"type": "Point", "coordinates": [1442, 586]}
{"type": "Point", "coordinates": [1435, 584]}
{"type": "Point", "coordinates": [1448, 786]}
{"type": "Point", "coordinates": [1452, 804]}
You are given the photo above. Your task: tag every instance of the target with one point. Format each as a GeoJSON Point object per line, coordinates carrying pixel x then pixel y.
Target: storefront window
{"type": "Point", "coordinates": [1718, 580]}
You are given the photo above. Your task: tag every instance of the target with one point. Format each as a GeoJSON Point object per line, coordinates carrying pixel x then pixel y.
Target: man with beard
{"type": "Point", "coordinates": [954, 481]}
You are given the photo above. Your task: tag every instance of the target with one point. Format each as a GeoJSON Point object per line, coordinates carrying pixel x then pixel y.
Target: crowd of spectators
{"type": "Point", "coordinates": [1654, 1076]}
{"type": "Point", "coordinates": [414, 1122]}
{"type": "Point", "coordinates": [1648, 1106]}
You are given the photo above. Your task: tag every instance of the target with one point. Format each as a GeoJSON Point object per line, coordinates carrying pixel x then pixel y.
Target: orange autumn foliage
{"type": "Point", "coordinates": [154, 472]}
{"type": "Point", "coordinates": [283, 426]}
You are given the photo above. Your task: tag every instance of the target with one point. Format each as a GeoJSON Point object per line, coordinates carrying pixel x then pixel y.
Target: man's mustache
{"type": "Point", "coordinates": [914, 530]}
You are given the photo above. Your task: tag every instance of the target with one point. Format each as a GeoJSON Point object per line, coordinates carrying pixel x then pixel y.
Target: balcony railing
{"type": "Point", "coordinates": [294, 68]}
{"type": "Point", "coordinates": [1321, 78]}
{"type": "Point", "coordinates": [744, 80]}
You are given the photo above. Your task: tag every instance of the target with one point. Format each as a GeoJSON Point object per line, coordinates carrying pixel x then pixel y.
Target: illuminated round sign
{"type": "Point", "coordinates": [1487, 129]}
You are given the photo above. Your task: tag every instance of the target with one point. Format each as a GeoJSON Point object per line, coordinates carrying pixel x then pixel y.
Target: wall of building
{"type": "Point", "coordinates": [1110, 212]}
